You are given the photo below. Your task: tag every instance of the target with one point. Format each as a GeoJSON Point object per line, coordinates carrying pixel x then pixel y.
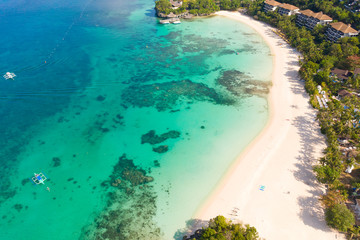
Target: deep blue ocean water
{"type": "Point", "coordinates": [133, 122]}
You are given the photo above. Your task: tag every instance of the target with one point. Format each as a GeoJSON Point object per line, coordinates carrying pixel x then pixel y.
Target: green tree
{"type": "Point", "coordinates": [163, 6]}
{"type": "Point", "coordinates": [326, 174]}
{"type": "Point", "coordinates": [339, 217]}
{"type": "Point", "coordinates": [221, 228]}
{"type": "Point", "coordinates": [218, 223]}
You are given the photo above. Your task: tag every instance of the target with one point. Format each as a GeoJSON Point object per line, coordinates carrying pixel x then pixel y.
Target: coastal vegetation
{"type": "Point", "coordinates": [196, 7]}
{"type": "Point", "coordinates": [339, 217]}
{"type": "Point", "coordinates": [340, 120]}
{"type": "Point", "coordinates": [220, 228]}
{"type": "Point", "coordinates": [199, 7]}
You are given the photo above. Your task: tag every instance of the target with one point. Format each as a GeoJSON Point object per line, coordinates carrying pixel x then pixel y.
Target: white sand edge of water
{"type": "Point", "coordinates": [280, 159]}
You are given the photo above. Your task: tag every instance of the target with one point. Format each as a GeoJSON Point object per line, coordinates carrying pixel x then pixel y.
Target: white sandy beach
{"type": "Point", "coordinates": [280, 159]}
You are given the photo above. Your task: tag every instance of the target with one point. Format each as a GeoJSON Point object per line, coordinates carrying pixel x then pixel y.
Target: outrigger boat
{"type": "Point", "coordinates": [39, 178]}
{"type": "Point", "coordinates": [9, 75]}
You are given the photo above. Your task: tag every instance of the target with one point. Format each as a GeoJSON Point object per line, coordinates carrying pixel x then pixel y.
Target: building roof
{"type": "Point", "coordinates": [307, 12]}
{"type": "Point", "coordinates": [357, 71]}
{"type": "Point", "coordinates": [344, 93]}
{"type": "Point", "coordinates": [342, 27]}
{"type": "Point", "coordinates": [318, 15]}
{"type": "Point", "coordinates": [340, 73]}
{"type": "Point", "coordinates": [321, 16]}
{"type": "Point", "coordinates": [272, 3]}
{"type": "Point", "coordinates": [288, 6]}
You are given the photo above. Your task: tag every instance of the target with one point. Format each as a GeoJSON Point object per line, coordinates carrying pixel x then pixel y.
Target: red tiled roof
{"type": "Point", "coordinates": [288, 6]}
{"type": "Point", "coordinates": [307, 12]}
{"type": "Point", "coordinates": [342, 27]}
{"type": "Point", "coordinates": [318, 15]}
{"type": "Point", "coordinates": [321, 16]}
{"type": "Point", "coordinates": [272, 3]}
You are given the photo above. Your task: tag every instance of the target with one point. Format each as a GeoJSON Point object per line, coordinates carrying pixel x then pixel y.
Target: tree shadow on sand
{"type": "Point", "coordinates": [191, 226]}
{"type": "Point", "coordinates": [311, 212]}
{"type": "Point", "coordinates": [297, 86]}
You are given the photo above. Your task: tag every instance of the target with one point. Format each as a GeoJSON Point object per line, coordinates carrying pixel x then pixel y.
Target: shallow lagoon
{"type": "Point", "coordinates": [92, 79]}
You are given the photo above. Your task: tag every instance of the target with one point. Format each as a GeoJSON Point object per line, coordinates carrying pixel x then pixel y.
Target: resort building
{"type": "Point", "coordinates": [270, 5]}
{"type": "Point", "coordinates": [341, 74]}
{"type": "Point", "coordinates": [287, 9]}
{"type": "Point", "coordinates": [338, 30]}
{"type": "Point", "coordinates": [309, 19]}
{"type": "Point", "coordinates": [343, 93]}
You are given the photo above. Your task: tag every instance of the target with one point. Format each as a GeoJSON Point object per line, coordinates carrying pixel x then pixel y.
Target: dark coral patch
{"type": "Point", "coordinates": [241, 84]}
{"type": "Point", "coordinates": [152, 138]}
{"type": "Point", "coordinates": [164, 96]}
{"type": "Point", "coordinates": [127, 175]}
{"type": "Point", "coordinates": [161, 149]}
{"type": "Point", "coordinates": [100, 98]}
{"type": "Point", "coordinates": [18, 207]}
{"type": "Point", "coordinates": [56, 161]}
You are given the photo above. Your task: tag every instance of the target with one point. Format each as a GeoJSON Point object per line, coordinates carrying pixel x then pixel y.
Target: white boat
{"type": "Point", "coordinates": [177, 22]}
{"type": "Point", "coordinates": [9, 75]}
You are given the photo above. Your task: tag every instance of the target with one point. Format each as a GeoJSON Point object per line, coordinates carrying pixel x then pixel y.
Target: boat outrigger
{"type": "Point", "coordinates": [9, 75]}
{"type": "Point", "coordinates": [39, 178]}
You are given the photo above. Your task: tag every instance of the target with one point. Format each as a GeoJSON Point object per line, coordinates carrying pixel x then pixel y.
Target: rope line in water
{"type": "Point", "coordinates": [68, 30]}
{"type": "Point", "coordinates": [48, 58]}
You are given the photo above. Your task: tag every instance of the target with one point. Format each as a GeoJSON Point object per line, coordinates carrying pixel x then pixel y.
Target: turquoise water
{"type": "Point", "coordinates": [133, 122]}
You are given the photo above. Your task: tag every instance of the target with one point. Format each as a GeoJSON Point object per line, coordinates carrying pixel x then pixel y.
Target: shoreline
{"type": "Point", "coordinates": [280, 159]}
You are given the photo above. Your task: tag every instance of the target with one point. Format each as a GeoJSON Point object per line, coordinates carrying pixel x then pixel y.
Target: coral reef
{"type": "Point", "coordinates": [131, 203]}
{"type": "Point", "coordinates": [18, 207]}
{"type": "Point", "coordinates": [123, 222]}
{"type": "Point", "coordinates": [164, 96]}
{"type": "Point", "coordinates": [118, 119]}
{"type": "Point", "coordinates": [100, 98]}
{"type": "Point", "coordinates": [161, 149]}
{"type": "Point", "coordinates": [240, 84]}
{"type": "Point", "coordinates": [156, 163]}
{"type": "Point", "coordinates": [152, 138]}
{"type": "Point", "coordinates": [126, 175]}
{"type": "Point", "coordinates": [56, 161]}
